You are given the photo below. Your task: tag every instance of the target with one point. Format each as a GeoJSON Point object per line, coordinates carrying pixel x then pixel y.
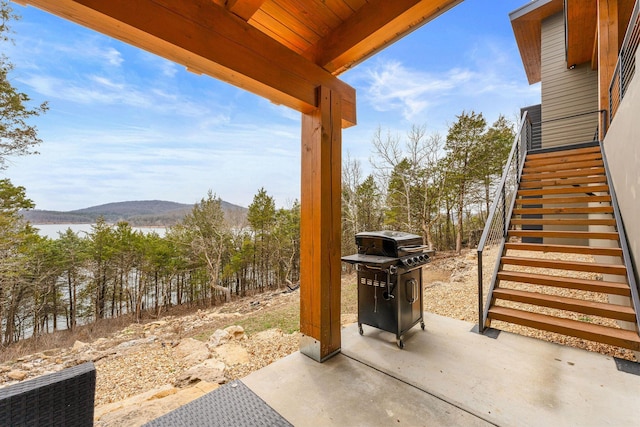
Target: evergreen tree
{"type": "Point", "coordinates": [17, 136]}
{"type": "Point", "coordinates": [262, 217]}
{"type": "Point", "coordinates": [72, 258]}
{"type": "Point", "coordinates": [208, 236]}
{"type": "Point", "coordinates": [492, 155]}
{"type": "Point", "coordinates": [14, 234]}
{"type": "Point", "coordinates": [463, 147]}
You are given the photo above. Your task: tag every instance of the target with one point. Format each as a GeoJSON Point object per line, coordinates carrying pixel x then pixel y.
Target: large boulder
{"type": "Point", "coordinates": [148, 406]}
{"type": "Point", "coordinates": [210, 371]}
{"type": "Point", "coordinates": [192, 351]}
{"type": "Point", "coordinates": [232, 354]}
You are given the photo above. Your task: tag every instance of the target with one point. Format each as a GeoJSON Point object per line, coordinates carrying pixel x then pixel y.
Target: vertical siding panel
{"type": "Point", "coordinates": [565, 92]}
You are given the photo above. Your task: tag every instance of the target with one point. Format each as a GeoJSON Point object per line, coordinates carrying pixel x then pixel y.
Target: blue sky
{"type": "Point", "coordinates": [125, 124]}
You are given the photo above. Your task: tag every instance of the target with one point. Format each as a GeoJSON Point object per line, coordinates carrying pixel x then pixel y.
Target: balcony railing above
{"type": "Point", "coordinates": [626, 65]}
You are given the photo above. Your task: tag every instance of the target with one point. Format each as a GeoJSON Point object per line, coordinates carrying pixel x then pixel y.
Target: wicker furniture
{"type": "Point", "coordinates": [63, 398]}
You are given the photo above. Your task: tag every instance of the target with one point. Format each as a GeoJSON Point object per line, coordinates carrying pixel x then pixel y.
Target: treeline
{"type": "Point", "coordinates": [49, 284]}
{"type": "Point", "coordinates": [439, 188]}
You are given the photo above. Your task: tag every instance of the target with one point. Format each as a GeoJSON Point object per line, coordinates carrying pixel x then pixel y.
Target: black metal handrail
{"type": "Point", "coordinates": [497, 224]}
{"type": "Point", "coordinates": [626, 65]}
{"type": "Point", "coordinates": [601, 125]}
{"type": "Point", "coordinates": [626, 255]}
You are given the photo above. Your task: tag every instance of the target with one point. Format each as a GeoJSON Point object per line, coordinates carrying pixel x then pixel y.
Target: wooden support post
{"type": "Point", "coordinates": [320, 228]}
{"type": "Point", "coordinates": [607, 51]}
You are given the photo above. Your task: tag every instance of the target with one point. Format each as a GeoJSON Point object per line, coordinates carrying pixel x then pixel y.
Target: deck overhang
{"type": "Point", "coordinates": [581, 30]}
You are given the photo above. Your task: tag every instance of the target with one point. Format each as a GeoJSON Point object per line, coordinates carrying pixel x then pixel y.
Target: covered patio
{"type": "Point", "coordinates": [290, 52]}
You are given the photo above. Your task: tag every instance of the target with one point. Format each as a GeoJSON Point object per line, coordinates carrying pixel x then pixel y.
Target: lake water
{"type": "Point", "coordinates": [52, 230]}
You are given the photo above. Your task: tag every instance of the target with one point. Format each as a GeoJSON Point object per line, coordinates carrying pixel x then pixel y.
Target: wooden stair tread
{"type": "Point", "coordinates": [557, 182]}
{"type": "Point", "coordinates": [611, 311]}
{"type": "Point", "coordinates": [547, 211]}
{"type": "Point", "coordinates": [561, 234]}
{"type": "Point", "coordinates": [594, 267]}
{"type": "Point", "coordinates": [563, 166]}
{"type": "Point", "coordinates": [613, 288]}
{"type": "Point", "coordinates": [563, 200]}
{"type": "Point", "coordinates": [618, 337]}
{"type": "Point", "coordinates": [571, 249]}
{"type": "Point", "coordinates": [568, 222]}
{"type": "Point", "coordinates": [532, 155]}
{"type": "Point", "coordinates": [561, 160]}
{"type": "Point", "coordinates": [562, 174]}
{"type": "Point", "coordinates": [586, 189]}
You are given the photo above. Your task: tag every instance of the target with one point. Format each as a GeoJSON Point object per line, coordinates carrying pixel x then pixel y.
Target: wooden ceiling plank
{"type": "Point", "coordinates": [279, 31]}
{"type": "Point", "coordinates": [284, 16]}
{"type": "Point", "coordinates": [340, 8]}
{"type": "Point", "coordinates": [581, 30]}
{"type": "Point", "coordinates": [355, 4]}
{"type": "Point", "coordinates": [371, 28]}
{"type": "Point", "coordinates": [527, 28]}
{"type": "Point", "coordinates": [207, 38]}
{"type": "Point", "coordinates": [245, 9]}
{"type": "Point", "coordinates": [530, 48]}
{"type": "Point", "coordinates": [320, 21]}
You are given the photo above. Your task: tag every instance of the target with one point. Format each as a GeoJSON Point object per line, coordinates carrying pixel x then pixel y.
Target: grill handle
{"type": "Point", "coordinates": [389, 292]}
{"type": "Point", "coordinates": [413, 248]}
{"type": "Point", "coordinates": [414, 290]}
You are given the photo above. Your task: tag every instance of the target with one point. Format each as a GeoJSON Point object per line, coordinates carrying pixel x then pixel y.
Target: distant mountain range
{"type": "Point", "coordinates": [139, 213]}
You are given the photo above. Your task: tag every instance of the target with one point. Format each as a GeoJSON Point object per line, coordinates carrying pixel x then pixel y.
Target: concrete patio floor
{"type": "Point", "coordinates": [449, 376]}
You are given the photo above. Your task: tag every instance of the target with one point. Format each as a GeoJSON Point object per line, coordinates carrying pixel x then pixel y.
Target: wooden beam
{"type": "Point", "coordinates": [320, 224]}
{"type": "Point", "coordinates": [581, 30]}
{"type": "Point", "coordinates": [607, 48]}
{"type": "Point", "coordinates": [373, 27]}
{"type": "Point", "coordinates": [245, 9]}
{"type": "Point", "coordinates": [208, 39]}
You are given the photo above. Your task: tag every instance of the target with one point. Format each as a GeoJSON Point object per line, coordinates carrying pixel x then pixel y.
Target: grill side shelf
{"type": "Point", "coordinates": [378, 261]}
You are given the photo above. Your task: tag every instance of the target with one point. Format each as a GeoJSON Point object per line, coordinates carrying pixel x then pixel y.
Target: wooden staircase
{"type": "Point", "coordinates": [547, 277]}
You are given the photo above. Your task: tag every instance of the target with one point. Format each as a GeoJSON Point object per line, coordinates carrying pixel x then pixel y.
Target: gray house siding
{"type": "Point", "coordinates": [565, 92]}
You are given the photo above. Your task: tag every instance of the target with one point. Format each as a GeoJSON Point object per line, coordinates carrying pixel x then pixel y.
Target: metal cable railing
{"type": "Point", "coordinates": [568, 130]}
{"type": "Point", "coordinates": [497, 223]}
{"type": "Point", "coordinates": [626, 65]}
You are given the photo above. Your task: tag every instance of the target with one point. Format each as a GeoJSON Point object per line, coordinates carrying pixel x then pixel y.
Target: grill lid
{"type": "Point", "coordinates": [387, 243]}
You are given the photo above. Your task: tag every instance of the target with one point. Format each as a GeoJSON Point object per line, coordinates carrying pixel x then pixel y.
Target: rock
{"type": "Point", "coordinates": [236, 332]}
{"type": "Point", "coordinates": [17, 375]}
{"type": "Point", "coordinates": [217, 338]}
{"type": "Point", "coordinates": [192, 351]}
{"type": "Point", "coordinates": [269, 334]}
{"type": "Point", "coordinates": [232, 354]}
{"type": "Point", "coordinates": [213, 316]}
{"type": "Point", "coordinates": [132, 343]}
{"type": "Point", "coordinates": [143, 408]}
{"type": "Point", "coordinates": [210, 371]}
{"type": "Point", "coordinates": [79, 346]}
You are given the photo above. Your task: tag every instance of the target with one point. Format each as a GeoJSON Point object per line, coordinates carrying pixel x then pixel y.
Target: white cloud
{"type": "Point", "coordinates": [392, 86]}
{"type": "Point", "coordinates": [113, 57]}
{"type": "Point", "coordinates": [487, 78]}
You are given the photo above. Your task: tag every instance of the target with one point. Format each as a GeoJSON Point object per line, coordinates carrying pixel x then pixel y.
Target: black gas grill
{"type": "Point", "coordinates": [389, 265]}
